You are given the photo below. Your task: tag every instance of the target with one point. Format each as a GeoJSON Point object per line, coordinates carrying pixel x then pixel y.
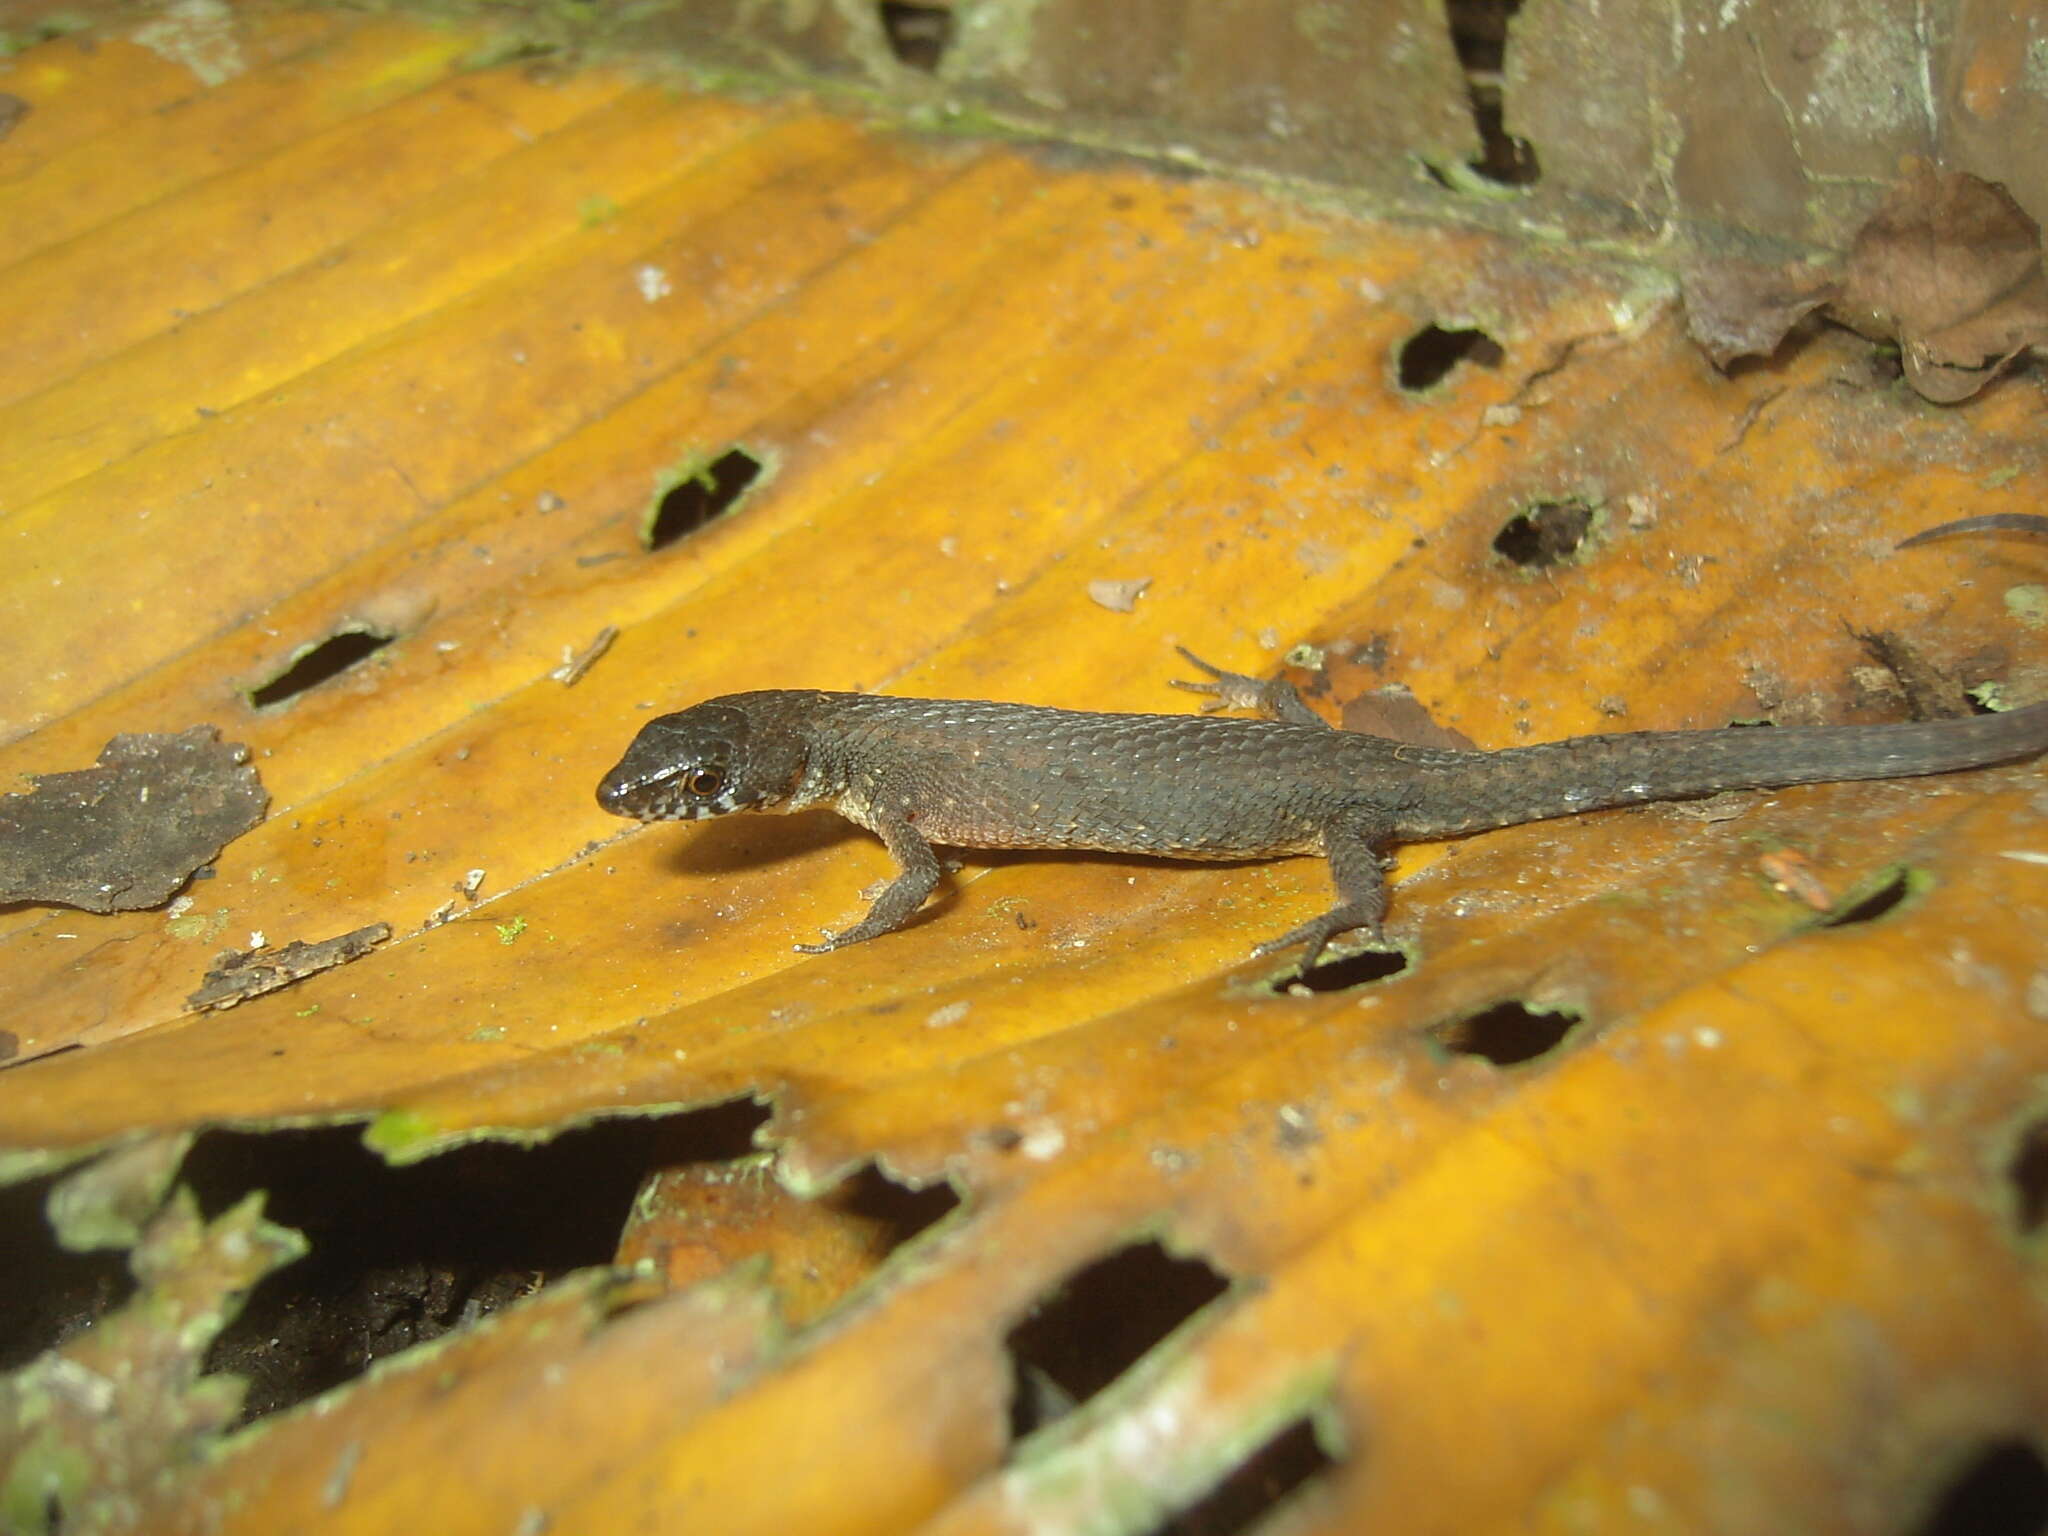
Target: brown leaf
{"type": "Point", "coordinates": [1951, 267]}
{"type": "Point", "coordinates": [1737, 309]}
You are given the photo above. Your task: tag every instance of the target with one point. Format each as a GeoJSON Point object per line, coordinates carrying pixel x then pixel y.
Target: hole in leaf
{"type": "Point", "coordinates": [1252, 1489]}
{"type": "Point", "coordinates": [1359, 970]}
{"type": "Point", "coordinates": [1432, 352]}
{"type": "Point", "coordinates": [1479, 32]}
{"type": "Point", "coordinates": [918, 34]}
{"type": "Point", "coordinates": [318, 663]}
{"type": "Point", "coordinates": [1869, 907]}
{"type": "Point", "coordinates": [705, 490]}
{"type": "Point", "coordinates": [403, 1255]}
{"type": "Point", "coordinates": [1097, 1325]}
{"type": "Point", "coordinates": [2029, 1174]}
{"type": "Point", "coordinates": [2002, 1491]}
{"type": "Point", "coordinates": [1508, 1034]}
{"type": "Point", "coordinates": [1547, 534]}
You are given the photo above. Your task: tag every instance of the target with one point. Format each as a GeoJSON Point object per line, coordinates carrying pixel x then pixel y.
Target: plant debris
{"type": "Point", "coordinates": [575, 663]}
{"type": "Point", "coordinates": [1949, 268]}
{"type": "Point", "coordinates": [96, 1428]}
{"type": "Point", "coordinates": [240, 974]}
{"type": "Point", "coordinates": [127, 833]}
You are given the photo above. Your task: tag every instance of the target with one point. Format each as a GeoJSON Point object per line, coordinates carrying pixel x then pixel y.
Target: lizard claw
{"type": "Point", "coordinates": [1317, 933]}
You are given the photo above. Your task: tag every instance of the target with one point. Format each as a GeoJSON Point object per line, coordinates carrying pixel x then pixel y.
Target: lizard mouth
{"type": "Point", "coordinates": [664, 802]}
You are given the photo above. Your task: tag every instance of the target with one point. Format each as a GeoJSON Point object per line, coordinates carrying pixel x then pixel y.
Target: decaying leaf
{"type": "Point", "coordinates": [129, 832]}
{"type": "Point", "coordinates": [376, 1455]}
{"type": "Point", "coordinates": [109, 1204]}
{"type": "Point", "coordinates": [1737, 309]}
{"type": "Point", "coordinates": [1949, 267]}
{"type": "Point", "coordinates": [97, 1426]}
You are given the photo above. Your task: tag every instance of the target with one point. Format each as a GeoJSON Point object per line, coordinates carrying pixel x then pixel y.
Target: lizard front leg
{"type": "Point", "coordinates": [916, 874]}
{"type": "Point", "coordinates": [1276, 700]}
{"type": "Point", "coordinates": [1352, 843]}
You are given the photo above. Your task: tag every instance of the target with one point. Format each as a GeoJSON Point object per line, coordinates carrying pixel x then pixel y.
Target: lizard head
{"type": "Point", "coordinates": [709, 760]}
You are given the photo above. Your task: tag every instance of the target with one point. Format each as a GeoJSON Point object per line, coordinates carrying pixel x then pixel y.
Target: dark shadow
{"type": "Point", "coordinates": [1548, 533]}
{"type": "Point", "coordinates": [2001, 1491]}
{"type": "Point", "coordinates": [52, 1293]}
{"type": "Point", "coordinates": [1427, 357]}
{"type": "Point", "coordinates": [321, 663]}
{"type": "Point", "coordinates": [731, 845]}
{"type": "Point", "coordinates": [918, 35]}
{"type": "Point", "coordinates": [1480, 31]}
{"type": "Point", "coordinates": [400, 1256]}
{"type": "Point", "coordinates": [1253, 1488]}
{"type": "Point", "coordinates": [894, 1212]}
{"type": "Point", "coordinates": [1509, 1034]}
{"type": "Point", "coordinates": [705, 493]}
{"type": "Point", "coordinates": [1869, 906]}
{"type": "Point", "coordinates": [2028, 1171]}
{"type": "Point", "coordinates": [1088, 1331]}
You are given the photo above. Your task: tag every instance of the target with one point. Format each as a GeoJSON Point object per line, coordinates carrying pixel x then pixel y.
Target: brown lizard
{"type": "Point", "coordinates": [968, 773]}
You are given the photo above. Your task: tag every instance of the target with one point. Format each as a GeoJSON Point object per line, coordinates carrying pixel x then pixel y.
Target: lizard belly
{"type": "Point", "coordinates": [1063, 809]}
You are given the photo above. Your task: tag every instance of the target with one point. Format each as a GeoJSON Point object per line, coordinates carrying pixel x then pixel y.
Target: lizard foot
{"type": "Point", "coordinates": [1227, 690]}
{"type": "Point", "coordinates": [867, 928]}
{"type": "Point", "coordinates": [1317, 932]}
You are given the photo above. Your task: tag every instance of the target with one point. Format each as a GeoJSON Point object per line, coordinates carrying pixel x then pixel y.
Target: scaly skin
{"type": "Point", "coordinates": [974, 774]}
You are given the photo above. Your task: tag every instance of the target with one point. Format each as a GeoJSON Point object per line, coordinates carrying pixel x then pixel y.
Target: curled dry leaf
{"type": "Point", "coordinates": [1737, 309]}
{"type": "Point", "coordinates": [1949, 267]}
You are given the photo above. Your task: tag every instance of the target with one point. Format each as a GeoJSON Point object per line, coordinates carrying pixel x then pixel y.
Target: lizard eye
{"type": "Point", "coordinates": [704, 783]}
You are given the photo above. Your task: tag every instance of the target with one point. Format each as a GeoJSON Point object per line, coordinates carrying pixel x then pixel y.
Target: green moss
{"type": "Point", "coordinates": [2028, 603]}
{"type": "Point", "coordinates": [397, 1135]}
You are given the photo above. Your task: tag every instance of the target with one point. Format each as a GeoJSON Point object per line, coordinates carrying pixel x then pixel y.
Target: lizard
{"type": "Point", "coordinates": [970, 773]}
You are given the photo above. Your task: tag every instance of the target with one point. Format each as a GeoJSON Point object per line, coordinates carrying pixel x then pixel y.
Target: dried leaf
{"type": "Point", "coordinates": [129, 832]}
{"type": "Point", "coordinates": [1737, 309]}
{"type": "Point", "coordinates": [108, 1204]}
{"type": "Point", "coordinates": [95, 1426]}
{"type": "Point", "coordinates": [1950, 266]}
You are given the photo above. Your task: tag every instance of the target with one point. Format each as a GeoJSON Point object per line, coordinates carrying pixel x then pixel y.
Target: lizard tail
{"type": "Point", "coordinates": [1591, 773]}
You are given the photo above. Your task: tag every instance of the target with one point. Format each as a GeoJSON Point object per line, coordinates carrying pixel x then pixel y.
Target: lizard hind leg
{"type": "Point", "coordinates": [1276, 699]}
{"type": "Point", "coordinates": [1352, 843]}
